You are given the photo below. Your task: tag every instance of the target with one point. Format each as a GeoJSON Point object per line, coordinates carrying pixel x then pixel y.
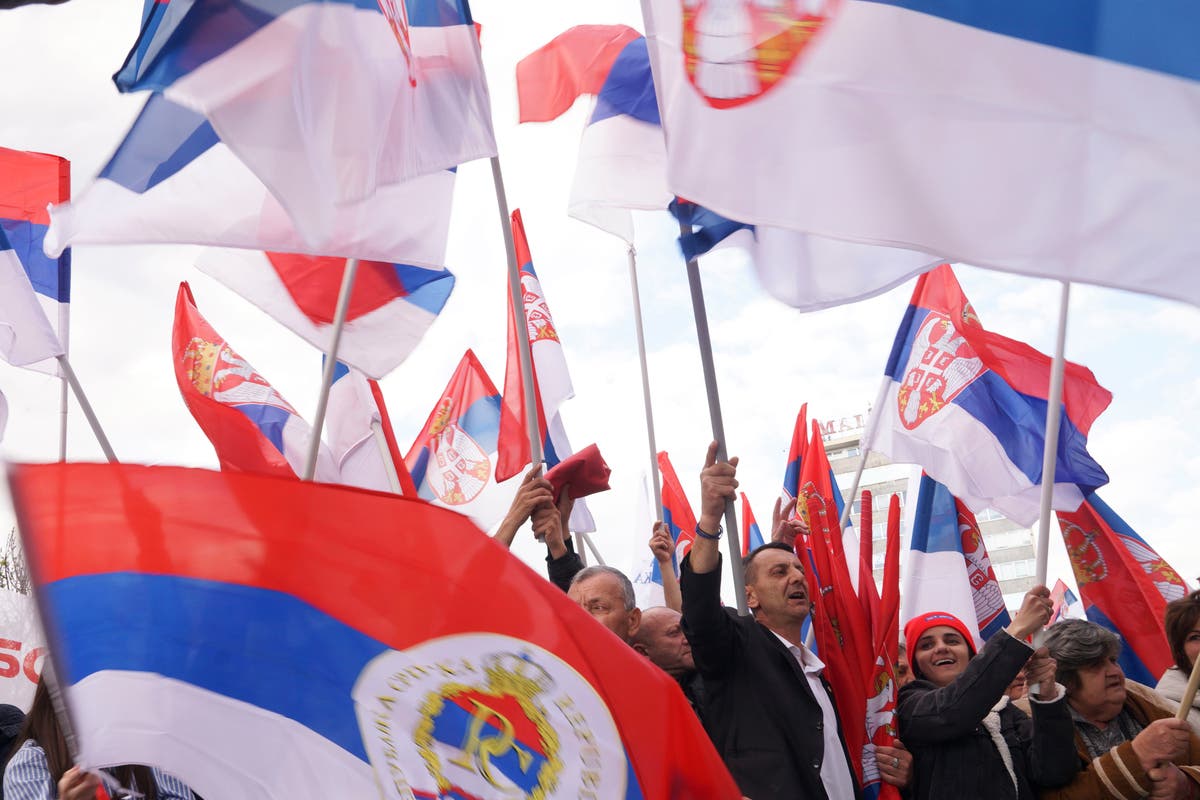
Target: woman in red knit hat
{"type": "Point", "coordinates": [967, 740]}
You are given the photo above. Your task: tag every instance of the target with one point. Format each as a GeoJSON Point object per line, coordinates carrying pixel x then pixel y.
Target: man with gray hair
{"type": "Point", "coordinates": [606, 594]}
{"type": "Point", "coordinates": [1129, 744]}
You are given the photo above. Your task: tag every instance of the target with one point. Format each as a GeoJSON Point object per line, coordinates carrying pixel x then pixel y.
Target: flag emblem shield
{"type": "Point", "coordinates": [737, 50]}
{"type": "Point", "coordinates": [1086, 557]}
{"type": "Point", "coordinates": [218, 372]}
{"type": "Point", "coordinates": [941, 365]}
{"type": "Point", "coordinates": [461, 466]}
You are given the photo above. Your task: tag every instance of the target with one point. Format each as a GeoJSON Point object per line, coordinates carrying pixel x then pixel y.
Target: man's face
{"type": "Point", "coordinates": [1101, 692]}
{"type": "Point", "coordinates": [776, 589]}
{"type": "Point", "coordinates": [660, 639]}
{"type": "Point", "coordinates": [600, 596]}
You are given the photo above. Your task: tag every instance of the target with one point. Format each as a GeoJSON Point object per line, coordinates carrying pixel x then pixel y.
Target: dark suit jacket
{"type": "Point", "coordinates": [758, 707]}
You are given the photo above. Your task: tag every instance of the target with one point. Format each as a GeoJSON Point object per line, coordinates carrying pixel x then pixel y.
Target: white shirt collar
{"type": "Point", "coordinates": [807, 658]}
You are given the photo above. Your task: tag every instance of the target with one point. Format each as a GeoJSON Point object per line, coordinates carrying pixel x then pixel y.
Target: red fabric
{"type": "Point", "coordinates": [372, 560]}
{"type": "Point", "coordinates": [868, 595]}
{"type": "Point", "coordinates": [240, 445]}
{"type": "Point", "coordinates": [514, 454]}
{"type": "Point", "coordinates": [313, 282]}
{"type": "Point", "coordinates": [575, 62]}
{"type": "Point", "coordinates": [583, 474]}
{"type": "Point", "coordinates": [676, 507]}
{"type": "Point", "coordinates": [407, 487]}
{"type": "Point", "coordinates": [747, 521]}
{"type": "Point", "coordinates": [29, 182]}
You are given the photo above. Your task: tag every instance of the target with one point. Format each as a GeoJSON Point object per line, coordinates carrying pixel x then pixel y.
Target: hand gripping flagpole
{"type": "Point", "coordinates": [864, 446]}
{"type": "Point", "coordinates": [524, 354]}
{"type": "Point", "coordinates": [641, 342]}
{"type": "Point", "coordinates": [714, 413]}
{"type": "Point", "coordinates": [1053, 420]}
{"type": "Point", "coordinates": [88, 412]}
{"type": "Point", "coordinates": [339, 321]}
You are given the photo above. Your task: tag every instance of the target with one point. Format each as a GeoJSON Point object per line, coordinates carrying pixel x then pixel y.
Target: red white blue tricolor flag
{"type": "Point", "coordinates": [273, 639]}
{"type": "Point", "coordinates": [35, 289]}
{"type": "Point", "coordinates": [948, 568]}
{"type": "Point", "coordinates": [250, 425]}
{"type": "Point", "coordinates": [969, 406]}
{"type": "Point", "coordinates": [327, 102]}
{"type": "Point", "coordinates": [820, 117]}
{"type": "Point", "coordinates": [391, 305]}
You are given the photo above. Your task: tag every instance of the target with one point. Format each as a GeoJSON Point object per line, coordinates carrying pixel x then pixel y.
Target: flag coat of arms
{"type": "Point", "coordinates": [821, 117]}
{"type": "Point", "coordinates": [327, 102]}
{"type": "Point", "coordinates": [453, 459]}
{"type": "Point", "coordinates": [948, 566]}
{"type": "Point", "coordinates": [272, 639]}
{"type": "Point", "coordinates": [174, 180]}
{"type": "Point", "coordinates": [250, 425]}
{"type": "Point", "coordinates": [1124, 585]}
{"type": "Point", "coordinates": [29, 182]}
{"type": "Point", "coordinates": [391, 305]}
{"type": "Point", "coordinates": [969, 406]}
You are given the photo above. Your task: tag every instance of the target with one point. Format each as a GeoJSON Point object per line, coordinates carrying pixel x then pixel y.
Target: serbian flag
{"type": "Point", "coordinates": [677, 512]}
{"type": "Point", "coordinates": [622, 157]}
{"type": "Point", "coordinates": [453, 459]}
{"type": "Point", "coordinates": [361, 440]}
{"type": "Point", "coordinates": [551, 382]}
{"type": "Point", "coordinates": [250, 425]}
{"type": "Point", "coordinates": [969, 406]}
{"type": "Point", "coordinates": [791, 472]}
{"type": "Point", "coordinates": [816, 117]}
{"type": "Point", "coordinates": [948, 567]}
{"type": "Point", "coordinates": [273, 639]}
{"type": "Point", "coordinates": [173, 179]}
{"type": "Point", "coordinates": [327, 102]}
{"type": "Point", "coordinates": [1066, 604]}
{"type": "Point", "coordinates": [29, 182]}
{"type": "Point", "coordinates": [751, 534]}
{"type": "Point", "coordinates": [1124, 584]}
{"type": "Point", "coordinates": [391, 305]}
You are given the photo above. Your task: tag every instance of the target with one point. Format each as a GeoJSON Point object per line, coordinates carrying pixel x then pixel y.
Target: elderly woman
{"type": "Point", "coordinates": [1127, 742]}
{"type": "Point", "coordinates": [1182, 621]}
{"type": "Point", "coordinates": [966, 737]}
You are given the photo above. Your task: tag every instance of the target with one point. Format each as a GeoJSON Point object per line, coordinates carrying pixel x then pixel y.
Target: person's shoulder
{"type": "Point", "coordinates": [1152, 704]}
{"type": "Point", "coordinates": [30, 752]}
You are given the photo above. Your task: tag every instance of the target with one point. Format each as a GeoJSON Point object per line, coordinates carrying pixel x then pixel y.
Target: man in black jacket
{"type": "Point", "coordinates": [767, 707]}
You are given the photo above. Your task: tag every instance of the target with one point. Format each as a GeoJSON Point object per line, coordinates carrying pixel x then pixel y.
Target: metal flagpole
{"type": "Point", "coordinates": [714, 413]}
{"type": "Point", "coordinates": [1050, 450]}
{"type": "Point", "coordinates": [339, 320]}
{"type": "Point", "coordinates": [587, 540]}
{"type": "Point", "coordinates": [385, 453]}
{"type": "Point", "coordinates": [641, 342]}
{"type": "Point", "coordinates": [865, 446]}
{"type": "Point", "coordinates": [88, 412]}
{"type": "Point", "coordinates": [63, 336]}
{"type": "Point", "coordinates": [524, 355]}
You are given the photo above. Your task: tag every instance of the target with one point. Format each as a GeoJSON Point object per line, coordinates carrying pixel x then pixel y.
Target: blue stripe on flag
{"type": "Point", "coordinates": [164, 139]}
{"type": "Point", "coordinates": [1131, 665]}
{"type": "Point", "coordinates": [629, 88]}
{"type": "Point", "coordinates": [914, 317]}
{"type": "Point", "coordinates": [270, 420]}
{"type": "Point", "coordinates": [426, 288]}
{"type": "Point", "coordinates": [261, 647]}
{"type": "Point", "coordinates": [50, 277]}
{"type": "Point", "coordinates": [481, 421]}
{"type": "Point", "coordinates": [1159, 36]}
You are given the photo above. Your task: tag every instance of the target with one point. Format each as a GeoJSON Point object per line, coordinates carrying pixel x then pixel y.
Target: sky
{"type": "Point", "coordinates": [58, 97]}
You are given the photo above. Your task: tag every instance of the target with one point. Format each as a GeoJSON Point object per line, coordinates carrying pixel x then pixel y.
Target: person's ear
{"type": "Point", "coordinates": [635, 622]}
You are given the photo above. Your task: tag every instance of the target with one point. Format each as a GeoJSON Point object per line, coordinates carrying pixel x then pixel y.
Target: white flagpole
{"type": "Point", "coordinates": [641, 342]}
{"type": "Point", "coordinates": [385, 453]}
{"type": "Point", "coordinates": [718, 425]}
{"type": "Point", "coordinates": [88, 412]}
{"type": "Point", "coordinates": [864, 446]}
{"type": "Point", "coordinates": [339, 320]}
{"type": "Point", "coordinates": [587, 540]}
{"type": "Point", "coordinates": [63, 337]}
{"type": "Point", "coordinates": [524, 355]}
{"type": "Point", "coordinates": [1050, 450]}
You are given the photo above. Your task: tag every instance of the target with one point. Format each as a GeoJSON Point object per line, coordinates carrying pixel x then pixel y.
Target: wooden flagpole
{"type": "Point", "coordinates": [331, 354]}
{"type": "Point", "coordinates": [714, 413]}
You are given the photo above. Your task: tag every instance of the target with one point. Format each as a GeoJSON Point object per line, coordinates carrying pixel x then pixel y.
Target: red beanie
{"type": "Point", "coordinates": [917, 626]}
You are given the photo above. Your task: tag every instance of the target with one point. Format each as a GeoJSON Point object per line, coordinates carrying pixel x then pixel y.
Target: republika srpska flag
{"type": "Point", "coordinates": [969, 406]}
{"type": "Point", "coordinates": [250, 425]}
{"type": "Point", "coordinates": [287, 640]}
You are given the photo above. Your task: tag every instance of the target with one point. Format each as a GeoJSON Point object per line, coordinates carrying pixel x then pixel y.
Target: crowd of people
{"type": "Point", "coordinates": [1004, 722]}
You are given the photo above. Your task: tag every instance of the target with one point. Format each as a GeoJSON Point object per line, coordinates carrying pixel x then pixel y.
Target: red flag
{"type": "Point", "coordinates": [250, 425]}
{"type": "Point", "coordinates": [300, 612]}
{"type": "Point", "coordinates": [868, 595]}
{"type": "Point", "coordinates": [677, 511]}
{"type": "Point", "coordinates": [407, 487]}
{"type": "Point", "coordinates": [752, 537]}
{"type": "Point", "coordinates": [576, 62]}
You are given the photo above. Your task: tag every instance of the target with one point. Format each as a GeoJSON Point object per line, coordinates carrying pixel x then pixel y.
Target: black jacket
{"type": "Point", "coordinates": [758, 707]}
{"type": "Point", "coordinates": [955, 756]}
